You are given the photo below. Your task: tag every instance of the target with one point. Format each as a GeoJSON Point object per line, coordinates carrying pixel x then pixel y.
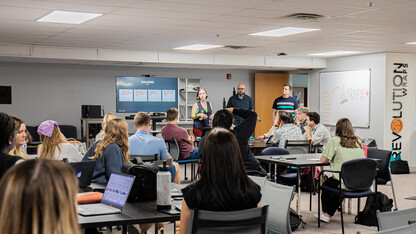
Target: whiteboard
{"type": "Point", "coordinates": [345, 94]}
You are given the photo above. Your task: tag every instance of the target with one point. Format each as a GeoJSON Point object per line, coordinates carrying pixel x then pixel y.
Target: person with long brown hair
{"type": "Point", "coordinates": [111, 153]}
{"type": "Point", "coordinates": [54, 144]}
{"type": "Point", "coordinates": [20, 128]}
{"type": "Point", "coordinates": [7, 141]}
{"type": "Point", "coordinates": [343, 147]}
{"type": "Point", "coordinates": [107, 117]}
{"type": "Point", "coordinates": [39, 196]}
{"type": "Point", "coordinates": [223, 184]}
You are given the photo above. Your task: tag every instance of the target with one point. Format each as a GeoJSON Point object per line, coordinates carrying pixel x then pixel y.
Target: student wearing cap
{"type": "Point", "coordinates": [54, 144]}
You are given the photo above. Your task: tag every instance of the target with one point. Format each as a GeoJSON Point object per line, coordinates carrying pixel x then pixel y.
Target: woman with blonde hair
{"type": "Point", "coordinates": [107, 117]}
{"type": "Point", "coordinates": [111, 153]}
{"type": "Point", "coordinates": [54, 144]}
{"type": "Point", "coordinates": [39, 196]}
{"type": "Point", "coordinates": [20, 128]}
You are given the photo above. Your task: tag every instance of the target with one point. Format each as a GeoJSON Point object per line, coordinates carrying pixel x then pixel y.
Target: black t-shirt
{"type": "Point", "coordinates": [7, 161]}
{"type": "Point", "coordinates": [190, 197]}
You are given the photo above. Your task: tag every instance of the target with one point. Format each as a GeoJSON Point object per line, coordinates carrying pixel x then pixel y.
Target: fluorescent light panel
{"type": "Point", "coordinates": [198, 47]}
{"type": "Point", "coordinates": [286, 31]}
{"type": "Point", "coordinates": [335, 53]}
{"type": "Point", "coordinates": [68, 17]}
{"type": "Point", "coordinates": [411, 43]}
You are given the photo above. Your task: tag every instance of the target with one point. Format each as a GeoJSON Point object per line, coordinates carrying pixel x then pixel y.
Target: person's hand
{"type": "Point", "coordinates": [211, 116]}
{"type": "Point", "coordinates": [204, 116]}
{"type": "Point", "coordinates": [260, 137]}
{"type": "Point", "coordinates": [306, 128]}
{"type": "Point", "coordinates": [231, 109]}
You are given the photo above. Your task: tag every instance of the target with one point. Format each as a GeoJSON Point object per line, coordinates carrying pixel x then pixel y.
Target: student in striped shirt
{"type": "Point", "coordinates": [285, 102]}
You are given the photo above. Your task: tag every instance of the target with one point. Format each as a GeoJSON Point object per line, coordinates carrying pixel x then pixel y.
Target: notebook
{"type": "Point", "coordinates": [114, 198]}
{"type": "Point", "coordinates": [84, 171]}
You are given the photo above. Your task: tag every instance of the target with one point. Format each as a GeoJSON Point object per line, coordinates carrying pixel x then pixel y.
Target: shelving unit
{"type": "Point", "coordinates": [85, 135]}
{"type": "Point", "coordinates": [188, 89]}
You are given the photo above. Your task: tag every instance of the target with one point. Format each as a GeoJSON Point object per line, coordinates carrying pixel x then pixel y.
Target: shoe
{"type": "Point", "coordinates": [323, 218]}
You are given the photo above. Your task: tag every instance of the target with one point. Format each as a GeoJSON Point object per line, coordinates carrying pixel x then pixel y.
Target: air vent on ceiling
{"type": "Point", "coordinates": [235, 47]}
{"type": "Point", "coordinates": [303, 16]}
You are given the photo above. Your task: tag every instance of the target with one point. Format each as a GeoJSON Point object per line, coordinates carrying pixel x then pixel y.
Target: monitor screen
{"type": "Point", "coordinates": [146, 94]}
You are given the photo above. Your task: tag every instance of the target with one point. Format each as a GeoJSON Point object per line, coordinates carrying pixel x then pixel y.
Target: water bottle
{"type": "Point", "coordinates": [24, 148]}
{"type": "Point", "coordinates": [163, 197]}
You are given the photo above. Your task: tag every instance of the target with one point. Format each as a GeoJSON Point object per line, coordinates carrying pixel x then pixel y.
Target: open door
{"type": "Point", "coordinates": [267, 87]}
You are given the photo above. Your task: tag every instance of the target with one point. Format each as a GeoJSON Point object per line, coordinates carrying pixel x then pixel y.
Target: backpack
{"type": "Point", "coordinates": [368, 216]}
{"type": "Point", "coordinates": [144, 186]}
{"type": "Point", "coordinates": [295, 220]}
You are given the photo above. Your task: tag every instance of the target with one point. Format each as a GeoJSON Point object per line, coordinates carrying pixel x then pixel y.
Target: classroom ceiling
{"type": "Point", "coordinates": [160, 25]}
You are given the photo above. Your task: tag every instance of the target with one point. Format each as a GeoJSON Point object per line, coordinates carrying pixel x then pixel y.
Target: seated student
{"type": "Point", "coordinates": [301, 114]}
{"type": "Point", "coordinates": [38, 196]}
{"type": "Point", "coordinates": [111, 153]}
{"type": "Point", "coordinates": [286, 131]}
{"type": "Point", "coordinates": [54, 144]}
{"type": "Point", "coordinates": [272, 130]}
{"type": "Point", "coordinates": [185, 142]}
{"type": "Point", "coordinates": [20, 128]}
{"type": "Point", "coordinates": [7, 141]}
{"type": "Point", "coordinates": [315, 131]}
{"type": "Point", "coordinates": [143, 143]}
{"type": "Point", "coordinates": [107, 117]}
{"type": "Point", "coordinates": [223, 184]}
{"type": "Point", "coordinates": [343, 147]}
{"type": "Point", "coordinates": [224, 119]}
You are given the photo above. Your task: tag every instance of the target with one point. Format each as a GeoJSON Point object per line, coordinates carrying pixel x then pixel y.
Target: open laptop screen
{"type": "Point", "coordinates": [117, 190]}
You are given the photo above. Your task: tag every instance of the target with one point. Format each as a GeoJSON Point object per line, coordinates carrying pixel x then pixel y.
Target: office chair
{"type": "Point", "coordinates": [298, 146]}
{"type": "Point", "coordinates": [278, 197]}
{"type": "Point", "coordinates": [358, 176]}
{"type": "Point", "coordinates": [249, 221]}
{"type": "Point", "coordinates": [407, 229]}
{"type": "Point", "coordinates": [174, 150]}
{"type": "Point", "coordinates": [396, 218]}
{"type": "Point", "coordinates": [383, 173]}
{"type": "Point", "coordinates": [273, 150]}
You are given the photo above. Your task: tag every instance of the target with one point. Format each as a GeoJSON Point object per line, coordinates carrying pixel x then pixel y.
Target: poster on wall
{"type": "Point", "coordinates": [345, 94]}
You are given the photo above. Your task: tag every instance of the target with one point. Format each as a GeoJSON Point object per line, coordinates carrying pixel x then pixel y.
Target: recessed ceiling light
{"type": "Point", "coordinates": [198, 47]}
{"type": "Point", "coordinates": [68, 17]}
{"type": "Point", "coordinates": [335, 53]}
{"type": "Point", "coordinates": [411, 43]}
{"type": "Point", "coordinates": [286, 31]}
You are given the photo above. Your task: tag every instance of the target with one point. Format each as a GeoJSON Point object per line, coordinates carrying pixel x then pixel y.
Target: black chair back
{"type": "Point", "coordinates": [173, 148]}
{"type": "Point", "coordinates": [69, 131]}
{"type": "Point", "coordinates": [298, 146]}
{"type": "Point", "coordinates": [143, 158]}
{"type": "Point", "coordinates": [205, 131]}
{"type": "Point", "coordinates": [33, 132]}
{"type": "Point", "coordinates": [273, 150]}
{"type": "Point", "coordinates": [383, 173]}
{"type": "Point", "coordinates": [242, 221]}
{"type": "Point", "coordinates": [358, 174]}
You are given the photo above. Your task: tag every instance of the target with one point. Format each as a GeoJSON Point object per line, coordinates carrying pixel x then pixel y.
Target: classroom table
{"type": "Point", "coordinates": [295, 160]}
{"type": "Point", "coordinates": [257, 146]}
{"type": "Point", "coordinates": [133, 213]}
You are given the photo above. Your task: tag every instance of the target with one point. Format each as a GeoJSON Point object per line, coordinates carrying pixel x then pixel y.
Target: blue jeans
{"type": "Point", "coordinates": [194, 154]}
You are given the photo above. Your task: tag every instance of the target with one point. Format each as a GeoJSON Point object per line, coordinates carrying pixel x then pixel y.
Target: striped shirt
{"type": "Point", "coordinates": [285, 104]}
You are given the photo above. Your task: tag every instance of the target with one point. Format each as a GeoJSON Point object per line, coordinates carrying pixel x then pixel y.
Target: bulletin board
{"type": "Point", "coordinates": [345, 94]}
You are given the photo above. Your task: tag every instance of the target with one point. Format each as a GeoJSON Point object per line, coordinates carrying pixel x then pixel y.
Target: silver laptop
{"type": "Point", "coordinates": [114, 198]}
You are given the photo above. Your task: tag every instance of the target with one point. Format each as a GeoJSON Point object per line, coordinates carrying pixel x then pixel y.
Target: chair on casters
{"type": "Point", "coordinates": [395, 219]}
{"type": "Point", "coordinates": [241, 221]}
{"type": "Point", "coordinates": [383, 173]}
{"type": "Point", "coordinates": [298, 146]}
{"type": "Point", "coordinates": [358, 176]}
{"type": "Point", "coordinates": [173, 148]}
{"type": "Point", "coordinates": [407, 229]}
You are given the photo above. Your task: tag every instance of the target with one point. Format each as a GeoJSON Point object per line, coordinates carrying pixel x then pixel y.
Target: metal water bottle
{"type": "Point", "coordinates": [163, 197]}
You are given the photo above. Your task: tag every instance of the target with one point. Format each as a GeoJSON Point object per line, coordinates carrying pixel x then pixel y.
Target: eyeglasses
{"type": "Point", "coordinates": [241, 88]}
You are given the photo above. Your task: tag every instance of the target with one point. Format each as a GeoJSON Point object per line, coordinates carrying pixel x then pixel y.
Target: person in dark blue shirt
{"type": "Point", "coordinates": [285, 102]}
{"type": "Point", "coordinates": [240, 101]}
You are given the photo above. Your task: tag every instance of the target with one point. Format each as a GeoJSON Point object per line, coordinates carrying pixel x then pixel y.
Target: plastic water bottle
{"type": "Point", "coordinates": [24, 148]}
{"type": "Point", "coordinates": [163, 196]}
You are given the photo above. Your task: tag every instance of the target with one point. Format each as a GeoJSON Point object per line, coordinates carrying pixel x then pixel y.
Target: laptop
{"type": "Point", "coordinates": [84, 171]}
{"type": "Point", "coordinates": [114, 198]}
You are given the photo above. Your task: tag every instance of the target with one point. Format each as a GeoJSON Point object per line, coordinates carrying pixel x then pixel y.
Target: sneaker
{"type": "Point", "coordinates": [323, 218]}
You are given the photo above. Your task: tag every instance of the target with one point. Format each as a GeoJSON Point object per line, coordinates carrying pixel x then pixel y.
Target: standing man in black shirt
{"type": "Point", "coordinates": [240, 100]}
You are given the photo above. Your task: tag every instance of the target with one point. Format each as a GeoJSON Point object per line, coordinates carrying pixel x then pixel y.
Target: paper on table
{"type": "Point", "coordinates": [313, 159]}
